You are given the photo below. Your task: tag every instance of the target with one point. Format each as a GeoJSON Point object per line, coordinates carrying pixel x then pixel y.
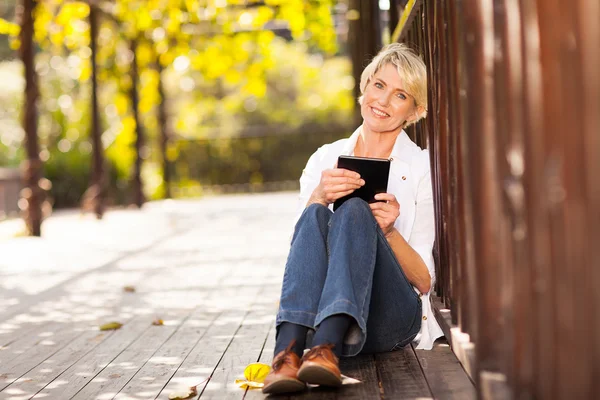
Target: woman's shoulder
{"type": "Point", "coordinates": [329, 150]}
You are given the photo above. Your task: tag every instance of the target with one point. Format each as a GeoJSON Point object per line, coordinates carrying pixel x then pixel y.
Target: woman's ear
{"type": "Point", "coordinates": [419, 113]}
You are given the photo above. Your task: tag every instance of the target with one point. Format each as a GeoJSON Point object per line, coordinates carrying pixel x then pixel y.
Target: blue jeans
{"type": "Point", "coordinates": [341, 263]}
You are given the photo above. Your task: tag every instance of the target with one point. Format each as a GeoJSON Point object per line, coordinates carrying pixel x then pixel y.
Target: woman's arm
{"type": "Point", "coordinates": [411, 262]}
{"type": "Point", "coordinates": [415, 254]}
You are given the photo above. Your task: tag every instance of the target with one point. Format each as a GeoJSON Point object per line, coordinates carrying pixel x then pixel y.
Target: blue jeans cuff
{"type": "Point", "coordinates": [296, 317]}
{"type": "Point", "coordinates": [357, 335]}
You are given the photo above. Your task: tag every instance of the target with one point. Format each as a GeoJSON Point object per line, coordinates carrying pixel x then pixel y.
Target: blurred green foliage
{"type": "Point", "coordinates": [251, 91]}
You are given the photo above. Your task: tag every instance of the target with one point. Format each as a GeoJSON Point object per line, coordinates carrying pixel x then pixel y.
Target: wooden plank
{"type": "Point", "coordinates": [245, 348]}
{"type": "Point", "coordinates": [25, 341]}
{"type": "Point", "coordinates": [149, 380]}
{"type": "Point", "coordinates": [401, 375]}
{"type": "Point", "coordinates": [37, 378]}
{"type": "Point", "coordinates": [119, 371]}
{"type": "Point", "coordinates": [69, 382]}
{"type": "Point", "coordinates": [265, 357]}
{"type": "Point", "coordinates": [362, 368]}
{"type": "Point", "coordinates": [40, 350]}
{"type": "Point", "coordinates": [203, 359]}
{"type": "Point", "coordinates": [444, 373]}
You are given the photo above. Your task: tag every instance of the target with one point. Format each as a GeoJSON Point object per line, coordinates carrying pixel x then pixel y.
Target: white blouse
{"type": "Point", "coordinates": [410, 182]}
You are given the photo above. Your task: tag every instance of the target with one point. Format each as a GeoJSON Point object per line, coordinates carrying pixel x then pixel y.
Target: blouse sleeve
{"type": "Point", "coordinates": [423, 232]}
{"type": "Point", "coordinates": [310, 178]}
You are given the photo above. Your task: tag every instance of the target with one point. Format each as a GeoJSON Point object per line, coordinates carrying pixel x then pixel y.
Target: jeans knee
{"type": "Point", "coordinates": [317, 209]}
{"type": "Point", "coordinates": [317, 213]}
{"type": "Point", "coordinates": [354, 208]}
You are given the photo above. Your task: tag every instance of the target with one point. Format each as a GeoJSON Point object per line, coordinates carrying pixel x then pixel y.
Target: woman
{"type": "Point", "coordinates": [360, 278]}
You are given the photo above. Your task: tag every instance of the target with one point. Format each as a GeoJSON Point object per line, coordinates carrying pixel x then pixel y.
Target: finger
{"type": "Point", "coordinates": [379, 215]}
{"type": "Point", "coordinates": [338, 180]}
{"type": "Point", "coordinates": [343, 187]}
{"type": "Point", "coordinates": [381, 206]}
{"type": "Point", "coordinates": [339, 195]}
{"type": "Point", "coordinates": [344, 172]}
{"type": "Point", "coordinates": [386, 197]}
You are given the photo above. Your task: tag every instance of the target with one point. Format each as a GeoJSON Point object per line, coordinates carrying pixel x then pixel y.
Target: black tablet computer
{"type": "Point", "coordinates": [374, 171]}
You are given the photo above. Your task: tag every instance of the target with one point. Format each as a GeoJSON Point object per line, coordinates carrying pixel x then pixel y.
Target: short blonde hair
{"type": "Point", "coordinates": [411, 69]}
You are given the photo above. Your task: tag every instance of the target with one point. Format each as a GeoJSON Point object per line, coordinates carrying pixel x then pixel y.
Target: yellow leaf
{"type": "Point", "coordinates": [158, 321]}
{"type": "Point", "coordinates": [15, 44]}
{"type": "Point", "coordinates": [9, 28]}
{"type": "Point", "coordinates": [244, 384]}
{"type": "Point", "coordinates": [184, 394]}
{"type": "Point", "coordinates": [257, 372]}
{"type": "Point", "coordinates": [129, 289]}
{"type": "Point", "coordinates": [110, 326]}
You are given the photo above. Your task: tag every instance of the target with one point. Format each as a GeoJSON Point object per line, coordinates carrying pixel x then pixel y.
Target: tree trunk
{"type": "Point", "coordinates": [138, 194]}
{"type": "Point", "coordinates": [394, 16]}
{"type": "Point", "coordinates": [364, 37]}
{"type": "Point", "coordinates": [165, 134]}
{"type": "Point", "coordinates": [93, 199]}
{"type": "Point", "coordinates": [32, 168]}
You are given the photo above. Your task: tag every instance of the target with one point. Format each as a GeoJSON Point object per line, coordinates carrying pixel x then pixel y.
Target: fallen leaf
{"type": "Point", "coordinates": [110, 326]}
{"type": "Point", "coordinates": [158, 321]}
{"type": "Point", "coordinates": [184, 394]}
{"type": "Point", "coordinates": [129, 289]}
{"type": "Point", "coordinates": [257, 372]}
{"type": "Point", "coordinates": [244, 384]}
{"type": "Point", "coordinates": [255, 375]}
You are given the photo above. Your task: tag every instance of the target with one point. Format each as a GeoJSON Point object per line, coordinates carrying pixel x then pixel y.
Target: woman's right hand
{"type": "Point", "coordinates": [335, 183]}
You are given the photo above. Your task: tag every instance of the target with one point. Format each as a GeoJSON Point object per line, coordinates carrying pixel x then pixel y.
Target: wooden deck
{"type": "Point", "coordinates": [211, 269]}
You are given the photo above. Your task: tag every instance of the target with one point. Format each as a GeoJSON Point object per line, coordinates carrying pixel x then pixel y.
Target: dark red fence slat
{"type": "Point", "coordinates": [513, 133]}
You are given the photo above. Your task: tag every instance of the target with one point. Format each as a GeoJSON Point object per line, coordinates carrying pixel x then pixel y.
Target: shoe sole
{"type": "Point", "coordinates": [317, 375]}
{"type": "Point", "coordinates": [284, 386]}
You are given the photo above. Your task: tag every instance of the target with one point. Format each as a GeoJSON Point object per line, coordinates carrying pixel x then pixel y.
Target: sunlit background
{"type": "Point", "coordinates": [251, 89]}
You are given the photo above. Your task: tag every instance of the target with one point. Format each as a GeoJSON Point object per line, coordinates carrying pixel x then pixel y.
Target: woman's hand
{"type": "Point", "coordinates": [385, 211]}
{"type": "Point", "coordinates": [335, 183]}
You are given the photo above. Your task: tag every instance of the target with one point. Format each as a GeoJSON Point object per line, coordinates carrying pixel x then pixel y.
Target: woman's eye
{"type": "Point", "coordinates": [378, 85]}
{"type": "Point", "coordinates": [401, 96]}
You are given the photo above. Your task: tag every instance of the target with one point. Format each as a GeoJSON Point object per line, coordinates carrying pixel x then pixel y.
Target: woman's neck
{"type": "Point", "coordinates": [374, 144]}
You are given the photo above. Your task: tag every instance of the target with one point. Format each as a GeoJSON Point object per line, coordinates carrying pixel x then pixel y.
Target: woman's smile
{"type": "Point", "coordinates": [378, 113]}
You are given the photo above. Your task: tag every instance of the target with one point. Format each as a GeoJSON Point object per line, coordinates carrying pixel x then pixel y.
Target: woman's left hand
{"type": "Point", "coordinates": [385, 211]}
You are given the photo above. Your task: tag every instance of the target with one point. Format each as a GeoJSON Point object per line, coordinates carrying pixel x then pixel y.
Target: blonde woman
{"type": "Point", "coordinates": [358, 280]}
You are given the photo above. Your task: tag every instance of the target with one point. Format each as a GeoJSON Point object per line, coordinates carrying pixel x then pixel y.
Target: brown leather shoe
{"type": "Point", "coordinates": [282, 378]}
{"type": "Point", "coordinates": [320, 367]}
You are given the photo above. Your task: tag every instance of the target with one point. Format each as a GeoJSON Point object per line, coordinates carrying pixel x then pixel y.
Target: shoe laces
{"type": "Point", "coordinates": [285, 357]}
{"type": "Point", "coordinates": [322, 350]}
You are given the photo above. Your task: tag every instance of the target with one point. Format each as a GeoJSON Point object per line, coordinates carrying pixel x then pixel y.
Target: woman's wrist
{"type": "Point", "coordinates": [314, 199]}
{"type": "Point", "coordinates": [389, 234]}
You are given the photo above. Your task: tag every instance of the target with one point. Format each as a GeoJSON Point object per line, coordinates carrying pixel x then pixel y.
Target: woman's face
{"type": "Point", "coordinates": [386, 105]}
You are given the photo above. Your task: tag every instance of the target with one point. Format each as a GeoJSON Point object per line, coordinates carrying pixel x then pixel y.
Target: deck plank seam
{"type": "Point", "coordinates": [155, 351]}
{"type": "Point", "coordinates": [41, 362]}
{"type": "Point", "coordinates": [248, 311]}
{"type": "Point", "coordinates": [422, 369]}
{"type": "Point", "coordinates": [216, 317]}
{"type": "Point", "coordinates": [109, 362]}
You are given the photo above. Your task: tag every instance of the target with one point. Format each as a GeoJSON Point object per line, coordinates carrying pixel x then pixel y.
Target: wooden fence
{"type": "Point", "coordinates": [514, 130]}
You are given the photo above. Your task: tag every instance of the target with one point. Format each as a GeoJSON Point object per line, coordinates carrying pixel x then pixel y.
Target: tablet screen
{"type": "Point", "coordinates": [374, 171]}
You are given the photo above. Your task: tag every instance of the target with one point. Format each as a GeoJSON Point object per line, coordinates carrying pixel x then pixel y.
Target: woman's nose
{"type": "Point", "coordinates": [384, 99]}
